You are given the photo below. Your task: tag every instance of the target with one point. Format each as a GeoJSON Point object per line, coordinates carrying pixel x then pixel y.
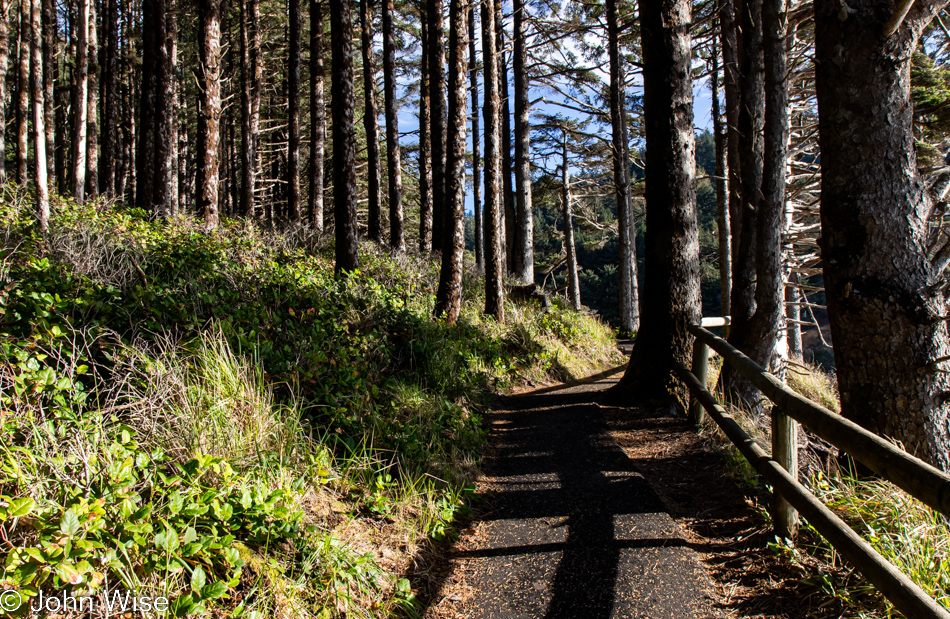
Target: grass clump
{"type": "Point", "coordinates": [216, 418]}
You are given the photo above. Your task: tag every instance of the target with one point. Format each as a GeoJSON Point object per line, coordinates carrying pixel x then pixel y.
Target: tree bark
{"type": "Point", "coordinates": [210, 24]}
{"type": "Point", "coordinates": [371, 120]}
{"type": "Point", "coordinates": [750, 118]}
{"type": "Point", "coordinates": [92, 107]}
{"type": "Point", "coordinates": [80, 103]}
{"type": "Point", "coordinates": [293, 112]}
{"type": "Point", "coordinates": [166, 183]}
{"type": "Point", "coordinates": [629, 304]}
{"type": "Point", "coordinates": [50, 36]}
{"type": "Point", "coordinates": [318, 126]}
{"type": "Point", "coordinates": [393, 164]}
{"type": "Point", "coordinates": [425, 143]}
{"type": "Point", "coordinates": [672, 234]}
{"type": "Point", "coordinates": [573, 285]}
{"type": "Point", "coordinates": [151, 110]}
{"type": "Point", "coordinates": [476, 155]}
{"type": "Point", "coordinates": [250, 104]}
{"type": "Point", "coordinates": [4, 65]}
{"type": "Point", "coordinates": [524, 249]}
{"type": "Point", "coordinates": [730, 61]}
{"type": "Point", "coordinates": [887, 309]}
{"type": "Point", "coordinates": [35, 18]}
{"type": "Point", "coordinates": [110, 100]}
{"type": "Point", "coordinates": [768, 322]}
{"type": "Point", "coordinates": [344, 136]}
{"type": "Point", "coordinates": [495, 254]}
{"type": "Point", "coordinates": [510, 214]}
{"type": "Point", "coordinates": [23, 95]}
{"type": "Point", "coordinates": [448, 303]}
{"type": "Point", "coordinates": [722, 207]}
{"type": "Point", "coordinates": [437, 111]}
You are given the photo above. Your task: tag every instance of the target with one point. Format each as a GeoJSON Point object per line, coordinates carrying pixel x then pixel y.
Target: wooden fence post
{"type": "Point", "coordinates": [785, 452]}
{"type": "Point", "coordinates": [701, 371]}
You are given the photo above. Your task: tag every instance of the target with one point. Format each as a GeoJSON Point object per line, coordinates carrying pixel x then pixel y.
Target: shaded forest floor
{"type": "Point", "coordinates": [596, 511]}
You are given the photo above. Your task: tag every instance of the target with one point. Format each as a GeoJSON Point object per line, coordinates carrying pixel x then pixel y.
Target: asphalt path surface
{"type": "Point", "coordinates": [570, 528]}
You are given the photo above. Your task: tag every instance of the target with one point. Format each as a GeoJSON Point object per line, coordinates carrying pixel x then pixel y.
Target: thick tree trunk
{"type": "Point", "coordinates": [344, 136]}
{"type": "Point", "coordinates": [573, 285]}
{"type": "Point", "coordinates": [476, 155]}
{"type": "Point", "coordinates": [629, 305]}
{"type": "Point", "coordinates": [888, 312]}
{"type": "Point", "coordinates": [425, 144]}
{"type": "Point", "coordinates": [524, 249]}
{"type": "Point", "coordinates": [437, 111]}
{"type": "Point", "coordinates": [92, 106]}
{"type": "Point", "coordinates": [448, 302]}
{"type": "Point", "coordinates": [393, 164]}
{"type": "Point", "coordinates": [318, 126]}
{"type": "Point", "coordinates": [793, 299]}
{"type": "Point", "coordinates": [210, 24]}
{"type": "Point", "coordinates": [110, 100]}
{"type": "Point", "coordinates": [80, 104]}
{"type": "Point", "coordinates": [672, 234]}
{"type": "Point", "coordinates": [768, 322]}
{"type": "Point", "coordinates": [293, 112]}
{"type": "Point", "coordinates": [750, 118]}
{"type": "Point", "coordinates": [722, 207]}
{"type": "Point", "coordinates": [371, 120]}
{"type": "Point", "coordinates": [23, 95]}
{"type": "Point", "coordinates": [35, 18]}
{"type": "Point", "coordinates": [495, 255]}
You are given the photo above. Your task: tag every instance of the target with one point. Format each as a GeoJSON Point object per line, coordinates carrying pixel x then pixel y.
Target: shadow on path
{"type": "Point", "coordinates": [570, 528]}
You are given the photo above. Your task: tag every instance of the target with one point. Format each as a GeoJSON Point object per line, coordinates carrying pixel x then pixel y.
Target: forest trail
{"type": "Point", "coordinates": [570, 526]}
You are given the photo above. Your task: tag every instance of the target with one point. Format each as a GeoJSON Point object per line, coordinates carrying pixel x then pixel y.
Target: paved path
{"type": "Point", "coordinates": [571, 529]}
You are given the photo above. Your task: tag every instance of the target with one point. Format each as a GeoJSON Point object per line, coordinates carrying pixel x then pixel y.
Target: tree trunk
{"type": "Point", "coordinates": [371, 120]}
{"type": "Point", "coordinates": [344, 136]}
{"type": "Point", "coordinates": [573, 285]}
{"type": "Point", "coordinates": [793, 299]}
{"type": "Point", "coordinates": [210, 24]}
{"type": "Point", "coordinates": [730, 66]}
{"type": "Point", "coordinates": [250, 104]}
{"type": "Point", "coordinates": [4, 62]}
{"type": "Point", "coordinates": [751, 116]}
{"type": "Point", "coordinates": [166, 185]}
{"type": "Point", "coordinates": [317, 116]}
{"type": "Point", "coordinates": [80, 103]}
{"type": "Point", "coordinates": [394, 167]}
{"type": "Point", "coordinates": [495, 255]}
{"type": "Point", "coordinates": [151, 109]}
{"type": "Point", "coordinates": [92, 107]}
{"type": "Point", "coordinates": [448, 303]}
{"type": "Point", "coordinates": [629, 310]}
{"type": "Point", "coordinates": [437, 111]}
{"type": "Point", "coordinates": [722, 208]}
{"type": "Point", "coordinates": [887, 308]}
{"type": "Point", "coordinates": [425, 144]}
{"type": "Point", "coordinates": [110, 100]}
{"type": "Point", "coordinates": [50, 35]}
{"type": "Point", "coordinates": [293, 113]}
{"type": "Point", "coordinates": [476, 156]}
{"type": "Point", "coordinates": [524, 249]}
{"type": "Point", "coordinates": [672, 234]}
{"type": "Point", "coordinates": [509, 215]}
{"type": "Point", "coordinates": [35, 18]}
{"type": "Point", "coordinates": [23, 95]}
{"type": "Point", "coordinates": [768, 322]}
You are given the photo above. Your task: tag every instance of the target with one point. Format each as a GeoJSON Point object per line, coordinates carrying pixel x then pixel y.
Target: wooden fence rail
{"type": "Point", "coordinates": [921, 480]}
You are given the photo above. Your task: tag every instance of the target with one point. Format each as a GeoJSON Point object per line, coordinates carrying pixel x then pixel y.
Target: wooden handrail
{"type": "Point", "coordinates": [919, 479]}
{"type": "Point", "coordinates": [906, 596]}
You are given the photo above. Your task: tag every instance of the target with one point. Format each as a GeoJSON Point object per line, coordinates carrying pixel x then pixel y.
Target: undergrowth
{"type": "Point", "coordinates": [902, 529]}
{"type": "Point", "coordinates": [217, 419]}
